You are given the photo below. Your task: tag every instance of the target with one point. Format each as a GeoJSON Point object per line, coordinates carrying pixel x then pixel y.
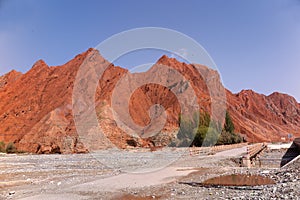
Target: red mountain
{"type": "Point", "coordinates": [36, 107]}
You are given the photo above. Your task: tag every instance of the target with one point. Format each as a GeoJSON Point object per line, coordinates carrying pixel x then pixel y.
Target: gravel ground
{"type": "Point", "coordinates": [287, 184]}
{"type": "Point", "coordinates": [26, 175]}
{"type": "Point", "coordinates": [56, 176]}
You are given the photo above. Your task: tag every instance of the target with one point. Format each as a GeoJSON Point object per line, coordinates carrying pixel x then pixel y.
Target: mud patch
{"type": "Point", "coordinates": [235, 180]}
{"type": "Point", "coordinates": [239, 180]}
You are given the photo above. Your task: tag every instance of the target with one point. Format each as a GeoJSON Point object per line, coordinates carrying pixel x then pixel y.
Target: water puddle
{"type": "Point", "coordinates": [238, 180]}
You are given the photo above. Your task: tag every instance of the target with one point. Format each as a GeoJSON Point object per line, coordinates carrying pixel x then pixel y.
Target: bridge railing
{"type": "Point", "coordinates": [214, 149]}
{"type": "Point", "coordinates": [252, 151]}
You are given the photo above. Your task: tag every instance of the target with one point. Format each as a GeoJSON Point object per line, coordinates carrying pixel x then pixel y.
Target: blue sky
{"type": "Point", "coordinates": [255, 43]}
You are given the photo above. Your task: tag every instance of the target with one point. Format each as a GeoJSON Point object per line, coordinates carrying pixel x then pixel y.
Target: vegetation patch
{"type": "Point", "coordinates": [8, 148]}
{"type": "Point", "coordinates": [202, 131]}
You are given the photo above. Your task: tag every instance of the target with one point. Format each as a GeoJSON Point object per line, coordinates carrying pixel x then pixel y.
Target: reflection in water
{"type": "Point", "coordinates": [238, 180]}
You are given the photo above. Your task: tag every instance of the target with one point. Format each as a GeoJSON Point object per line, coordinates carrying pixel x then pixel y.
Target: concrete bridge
{"type": "Point", "coordinates": [252, 152]}
{"type": "Point", "coordinates": [277, 155]}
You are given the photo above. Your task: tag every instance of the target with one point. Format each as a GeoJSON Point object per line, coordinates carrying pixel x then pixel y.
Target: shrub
{"type": "Point", "coordinates": [202, 131]}
{"type": "Point", "coordinates": [187, 131]}
{"type": "Point", "coordinates": [131, 142]}
{"type": "Point", "coordinates": [194, 130]}
{"type": "Point", "coordinates": [229, 138]}
{"type": "Point", "coordinates": [173, 143]}
{"type": "Point", "coordinates": [2, 147]}
{"type": "Point", "coordinates": [10, 148]}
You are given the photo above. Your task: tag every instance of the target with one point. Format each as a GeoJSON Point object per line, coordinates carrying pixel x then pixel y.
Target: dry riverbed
{"type": "Point", "coordinates": [165, 174]}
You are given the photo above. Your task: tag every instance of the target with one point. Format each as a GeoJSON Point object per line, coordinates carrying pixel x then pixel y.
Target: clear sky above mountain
{"type": "Point", "coordinates": [255, 43]}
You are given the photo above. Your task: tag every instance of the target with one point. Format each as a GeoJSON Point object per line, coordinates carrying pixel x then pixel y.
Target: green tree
{"type": "Point", "coordinates": [228, 126]}
{"type": "Point", "coordinates": [202, 131]}
{"type": "Point", "coordinates": [199, 137]}
{"type": "Point", "coordinates": [227, 135]}
{"type": "Point", "coordinates": [187, 130]}
{"type": "Point", "coordinates": [193, 130]}
{"type": "Point", "coordinates": [205, 136]}
{"type": "Point", "coordinates": [211, 137]}
{"type": "Point", "coordinates": [204, 119]}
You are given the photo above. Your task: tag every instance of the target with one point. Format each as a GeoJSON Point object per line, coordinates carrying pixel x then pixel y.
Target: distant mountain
{"type": "Point", "coordinates": [36, 107]}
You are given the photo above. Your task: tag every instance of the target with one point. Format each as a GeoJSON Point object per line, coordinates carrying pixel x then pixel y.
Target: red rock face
{"type": "Point", "coordinates": [36, 108]}
{"type": "Point", "coordinates": [264, 118]}
{"type": "Point", "coordinates": [32, 101]}
{"type": "Point", "coordinates": [9, 78]}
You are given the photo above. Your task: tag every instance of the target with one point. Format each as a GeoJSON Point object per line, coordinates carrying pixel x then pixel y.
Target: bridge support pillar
{"type": "Point", "coordinates": [246, 162]}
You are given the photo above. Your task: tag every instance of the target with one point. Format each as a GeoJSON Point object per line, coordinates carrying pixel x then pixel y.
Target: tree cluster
{"type": "Point", "coordinates": [200, 130]}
